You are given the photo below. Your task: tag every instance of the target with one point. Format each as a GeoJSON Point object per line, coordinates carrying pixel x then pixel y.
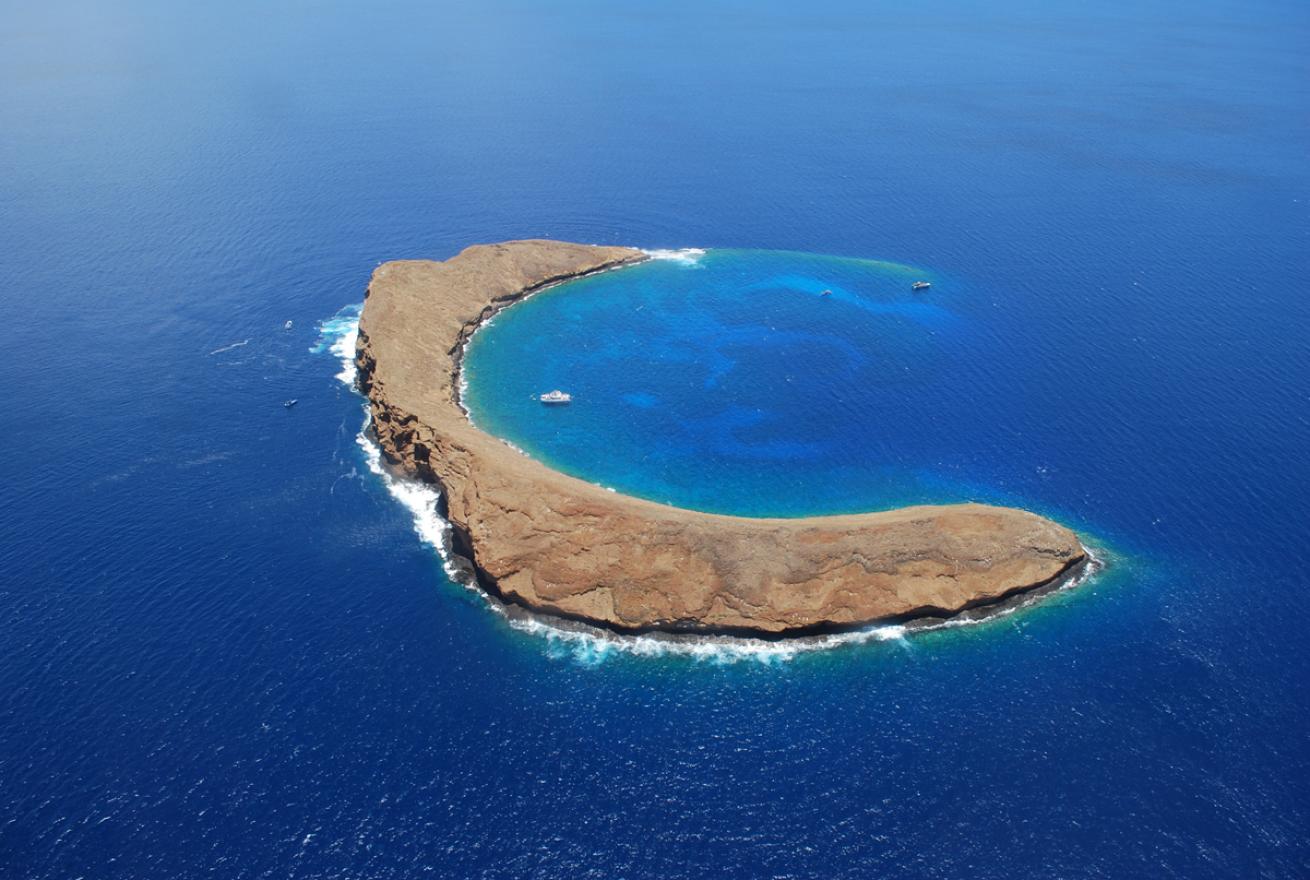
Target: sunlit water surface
{"type": "Point", "coordinates": [229, 646]}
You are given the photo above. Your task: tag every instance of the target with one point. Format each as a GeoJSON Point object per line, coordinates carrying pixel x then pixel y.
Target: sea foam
{"type": "Point", "coordinates": [338, 334]}
{"type": "Point", "coordinates": [685, 256]}
{"type": "Point", "coordinates": [590, 645]}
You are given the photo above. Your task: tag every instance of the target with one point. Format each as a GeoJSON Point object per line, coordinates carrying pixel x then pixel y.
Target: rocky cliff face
{"type": "Point", "coordinates": [566, 547]}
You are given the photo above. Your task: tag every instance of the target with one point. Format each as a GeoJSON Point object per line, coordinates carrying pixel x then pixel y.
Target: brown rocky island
{"type": "Point", "coordinates": [559, 545]}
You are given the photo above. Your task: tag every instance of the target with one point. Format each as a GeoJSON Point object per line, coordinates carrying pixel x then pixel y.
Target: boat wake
{"type": "Point", "coordinates": [229, 347]}
{"type": "Point", "coordinates": [592, 645]}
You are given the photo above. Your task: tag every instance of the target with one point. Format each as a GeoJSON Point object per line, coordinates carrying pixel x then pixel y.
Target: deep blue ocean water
{"type": "Point", "coordinates": [226, 651]}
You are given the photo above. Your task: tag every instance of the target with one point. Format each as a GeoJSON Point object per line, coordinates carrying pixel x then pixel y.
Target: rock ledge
{"type": "Point", "coordinates": [562, 546]}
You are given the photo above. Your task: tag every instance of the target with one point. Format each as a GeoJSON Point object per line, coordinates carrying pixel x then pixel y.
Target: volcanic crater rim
{"type": "Point", "coordinates": [567, 548]}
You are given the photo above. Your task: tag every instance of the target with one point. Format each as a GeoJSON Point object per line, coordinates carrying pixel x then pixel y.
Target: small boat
{"type": "Point", "coordinates": [555, 397]}
{"type": "Point", "coordinates": [826, 293]}
{"type": "Point", "coordinates": [289, 403]}
{"type": "Point", "coordinates": [920, 285]}
{"type": "Point", "coordinates": [286, 326]}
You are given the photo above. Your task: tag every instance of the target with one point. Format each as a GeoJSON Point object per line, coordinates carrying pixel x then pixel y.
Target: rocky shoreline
{"type": "Point", "coordinates": [561, 546]}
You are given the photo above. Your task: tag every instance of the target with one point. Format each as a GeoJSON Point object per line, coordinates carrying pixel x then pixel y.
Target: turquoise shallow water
{"type": "Point", "coordinates": [765, 383]}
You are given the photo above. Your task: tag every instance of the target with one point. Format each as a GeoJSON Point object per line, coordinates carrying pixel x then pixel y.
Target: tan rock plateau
{"type": "Point", "coordinates": [566, 547]}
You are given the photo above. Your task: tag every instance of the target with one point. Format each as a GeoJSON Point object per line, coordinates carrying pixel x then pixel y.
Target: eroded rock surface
{"type": "Point", "coordinates": [566, 547]}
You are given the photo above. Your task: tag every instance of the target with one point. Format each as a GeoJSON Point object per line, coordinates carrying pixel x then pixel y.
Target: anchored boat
{"type": "Point", "coordinates": [920, 285]}
{"type": "Point", "coordinates": [555, 398]}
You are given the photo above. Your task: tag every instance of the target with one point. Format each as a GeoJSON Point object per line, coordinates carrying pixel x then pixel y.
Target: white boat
{"type": "Point", "coordinates": [555, 397]}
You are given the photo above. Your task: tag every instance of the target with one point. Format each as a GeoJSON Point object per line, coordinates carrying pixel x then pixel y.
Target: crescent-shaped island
{"type": "Point", "coordinates": [555, 544]}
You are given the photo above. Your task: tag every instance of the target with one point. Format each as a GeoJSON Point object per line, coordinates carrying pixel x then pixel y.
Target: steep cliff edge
{"type": "Point", "coordinates": [566, 547]}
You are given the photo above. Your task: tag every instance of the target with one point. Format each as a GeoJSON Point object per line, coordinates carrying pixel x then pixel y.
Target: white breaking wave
{"type": "Point", "coordinates": [420, 500]}
{"type": "Point", "coordinates": [338, 334]}
{"type": "Point", "coordinates": [685, 256]}
{"type": "Point", "coordinates": [591, 645]}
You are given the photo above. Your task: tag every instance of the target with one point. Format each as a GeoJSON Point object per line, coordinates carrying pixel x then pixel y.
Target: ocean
{"type": "Point", "coordinates": [230, 645]}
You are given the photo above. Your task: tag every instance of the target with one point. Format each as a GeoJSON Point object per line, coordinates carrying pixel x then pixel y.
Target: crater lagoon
{"type": "Point", "coordinates": [770, 383]}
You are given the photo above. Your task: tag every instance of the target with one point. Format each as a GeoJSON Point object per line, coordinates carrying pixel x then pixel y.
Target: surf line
{"type": "Point", "coordinates": [591, 644]}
